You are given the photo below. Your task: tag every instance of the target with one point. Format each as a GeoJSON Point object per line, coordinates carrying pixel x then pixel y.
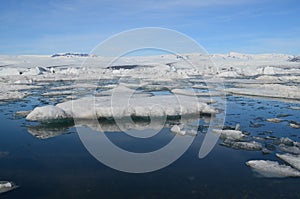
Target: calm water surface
{"type": "Point", "coordinates": [61, 167]}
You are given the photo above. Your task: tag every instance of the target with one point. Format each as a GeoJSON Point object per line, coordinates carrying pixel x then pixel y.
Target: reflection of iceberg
{"type": "Point", "coordinates": [6, 186]}
{"type": "Point", "coordinates": [139, 124]}
{"type": "Point", "coordinates": [48, 130]}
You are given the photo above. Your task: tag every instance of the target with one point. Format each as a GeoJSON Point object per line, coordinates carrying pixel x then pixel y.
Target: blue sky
{"type": "Point", "coordinates": [220, 26]}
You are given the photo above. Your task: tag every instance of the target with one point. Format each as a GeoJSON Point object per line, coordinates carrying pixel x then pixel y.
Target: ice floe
{"type": "Point", "coordinates": [289, 149]}
{"type": "Point", "coordinates": [272, 169]}
{"type": "Point", "coordinates": [117, 105]}
{"type": "Point", "coordinates": [268, 90]}
{"type": "Point", "coordinates": [176, 129]}
{"type": "Point", "coordinates": [6, 186]}
{"type": "Point", "coordinates": [293, 160]}
{"type": "Point", "coordinates": [230, 134]}
{"type": "Point", "coordinates": [48, 112]}
{"type": "Point", "coordinates": [295, 126]}
{"type": "Point", "coordinates": [274, 120]}
{"type": "Point", "coordinates": [250, 146]}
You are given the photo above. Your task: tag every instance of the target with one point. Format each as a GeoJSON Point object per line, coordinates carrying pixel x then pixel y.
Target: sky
{"type": "Point", "coordinates": [220, 26]}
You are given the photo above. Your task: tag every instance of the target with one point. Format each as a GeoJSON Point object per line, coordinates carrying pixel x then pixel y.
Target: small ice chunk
{"type": "Point", "coordinates": [176, 129]}
{"type": "Point", "coordinates": [47, 113]}
{"type": "Point", "coordinates": [230, 134]}
{"type": "Point", "coordinates": [293, 160]}
{"type": "Point", "coordinates": [289, 149]}
{"type": "Point", "coordinates": [266, 151]}
{"type": "Point", "coordinates": [275, 120]}
{"type": "Point", "coordinates": [250, 146]}
{"type": "Point", "coordinates": [295, 126]}
{"type": "Point", "coordinates": [272, 169]}
{"type": "Point", "coordinates": [6, 186]}
{"type": "Point", "coordinates": [287, 141]}
{"type": "Point", "coordinates": [294, 107]}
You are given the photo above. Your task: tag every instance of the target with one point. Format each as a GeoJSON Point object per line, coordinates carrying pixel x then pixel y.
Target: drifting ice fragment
{"type": "Point", "coordinates": [250, 146]}
{"type": "Point", "coordinates": [293, 160]}
{"type": "Point", "coordinates": [272, 169]}
{"type": "Point", "coordinates": [176, 129]}
{"type": "Point", "coordinates": [48, 112]}
{"type": "Point", "coordinates": [6, 186]}
{"type": "Point", "coordinates": [289, 149]}
{"type": "Point", "coordinates": [295, 126]}
{"type": "Point", "coordinates": [275, 120]}
{"type": "Point", "coordinates": [230, 134]}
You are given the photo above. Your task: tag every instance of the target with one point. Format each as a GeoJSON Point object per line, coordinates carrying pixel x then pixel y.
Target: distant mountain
{"type": "Point", "coordinates": [70, 55]}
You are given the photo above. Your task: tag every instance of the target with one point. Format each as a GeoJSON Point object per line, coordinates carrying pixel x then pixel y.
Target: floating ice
{"type": "Point", "coordinates": [268, 90]}
{"type": "Point", "coordinates": [48, 112]}
{"type": "Point", "coordinates": [289, 149]}
{"type": "Point", "coordinates": [293, 160]}
{"type": "Point", "coordinates": [6, 186]}
{"type": "Point", "coordinates": [272, 169]}
{"type": "Point", "coordinates": [295, 126]}
{"type": "Point", "coordinates": [230, 134]}
{"type": "Point", "coordinates": [176, 129]}
{"type": "Point", "coordinates": [286, 141]}
{"type": "Point", "coordinates": [275, 120]}
{"type": "Point", "coordinates": [250, 146]}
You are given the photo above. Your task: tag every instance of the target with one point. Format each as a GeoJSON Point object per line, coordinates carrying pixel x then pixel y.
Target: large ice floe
{"type": "Point", "coordinates": [117, 105]}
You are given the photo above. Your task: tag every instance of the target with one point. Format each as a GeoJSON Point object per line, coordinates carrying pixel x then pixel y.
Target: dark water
{"type": "Point", "coordinates": [61, 167]}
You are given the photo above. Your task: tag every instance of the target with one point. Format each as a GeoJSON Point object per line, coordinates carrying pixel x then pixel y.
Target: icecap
{"type": "Point", "coordinates": [272, 169]}
{"type": "Point", "coordinates": [293, 160]}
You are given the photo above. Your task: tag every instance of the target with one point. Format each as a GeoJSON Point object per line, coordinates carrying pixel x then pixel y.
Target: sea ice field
{"type": "Point", "coordinates": [255, 100]}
